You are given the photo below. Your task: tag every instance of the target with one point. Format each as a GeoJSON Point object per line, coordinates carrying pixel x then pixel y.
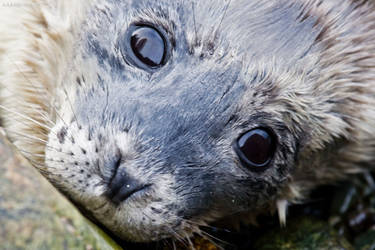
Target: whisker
{"type": "Point", "coordinates": [199, 224]}
{"type": "Point", "coordinates": [224, 14]}
{"type": "Point", "coordinates": [191, 244]}
{"type": "Point", "coordinates": [205, 234]}
{"type": "Point", "coordinates": [36, 164]}
{"type": "Point", "coordinates": [195, 23]}
{"type": "Point", "coordinates": [31, 154]}
{"type": "Point", "coordinates": [212, 239]}
{"type": "Point", "coordinates": [27, 136]}
{"type": "Point", "coordinates": [45, 130]}
{"type": "Point", "coordinates": [178, 237]}
{"type": "Point", "coordinates": [174, 244]}
{"type": "Point", "coordinates": [50, 130]}
{"type": "Point", "coordinates": [71, 106]}
{"type": "Point", "coordinates": [59, 116]}
{"type": "Point", "coordinates": [36, 108]}
{"type": "Point", "coordinates": [38, 89]}
{"type": "Point", "coordinates": [25, 117]}
{"type": "Point", "coordinates": [43, 114]}
{"type": "Point", "coordinates": [36, 139]}
{"type": "Point", "coordinates": [44, 134]}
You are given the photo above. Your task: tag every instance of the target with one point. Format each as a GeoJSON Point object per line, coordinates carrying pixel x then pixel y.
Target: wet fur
{"type": "Point", "coordinates": [306, 69]}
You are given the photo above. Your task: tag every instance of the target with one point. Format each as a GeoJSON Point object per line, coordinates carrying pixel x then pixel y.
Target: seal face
{"type": "Point", "coordinates": [155, 129]}
{"type": "Point", "coordinates": [165, 116]}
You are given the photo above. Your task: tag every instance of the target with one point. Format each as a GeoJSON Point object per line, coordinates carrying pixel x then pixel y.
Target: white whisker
{"type": "Point", "coordinates": [25, 117]}
{"type": "Point", "coordinates": [41, 90]}
{"type": "Point", "coordinates": [191, 244]}
{"type": "Point", "coordinates": [71, 106]}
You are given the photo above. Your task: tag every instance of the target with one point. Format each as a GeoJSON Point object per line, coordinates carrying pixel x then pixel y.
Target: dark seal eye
{"type": "Point", "coordinates": [255, 148]}
{"type": "Point", "coordinates": [148, 46]}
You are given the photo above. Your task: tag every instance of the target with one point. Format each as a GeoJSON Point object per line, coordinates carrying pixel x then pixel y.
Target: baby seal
{"type": "Point", "coordinates": [159, 117]}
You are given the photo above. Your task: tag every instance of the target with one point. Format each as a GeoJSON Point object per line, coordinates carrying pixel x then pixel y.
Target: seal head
{"type": "Point", "coordinates": [152, 144]}
{"type": "Point", "coordinates": [170, 115]}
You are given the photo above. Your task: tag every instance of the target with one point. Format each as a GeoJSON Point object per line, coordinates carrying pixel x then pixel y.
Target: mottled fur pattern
{"type": "Point", "coordinates": [75, 107]}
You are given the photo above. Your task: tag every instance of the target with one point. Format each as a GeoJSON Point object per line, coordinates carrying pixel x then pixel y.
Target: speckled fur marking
{"type": "Point", "coordinates": [81, 113]}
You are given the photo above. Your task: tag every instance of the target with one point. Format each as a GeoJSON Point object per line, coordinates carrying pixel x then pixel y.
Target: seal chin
{"type": "Point", "coordinates": [138, 219]}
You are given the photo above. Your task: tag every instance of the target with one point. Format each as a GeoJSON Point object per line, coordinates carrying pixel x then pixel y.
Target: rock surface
{"type": "Point", "coordinates": [33, 215]}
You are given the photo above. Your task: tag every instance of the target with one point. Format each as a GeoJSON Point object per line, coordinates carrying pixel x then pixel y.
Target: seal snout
{"type": "Point", "coordinates": [122, 186]}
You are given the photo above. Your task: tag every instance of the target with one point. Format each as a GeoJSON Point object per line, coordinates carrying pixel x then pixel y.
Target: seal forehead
{"type": "Point", "coordinates": [278, 30]}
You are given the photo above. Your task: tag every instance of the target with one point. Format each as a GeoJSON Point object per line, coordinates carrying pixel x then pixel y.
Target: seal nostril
{"type": "Point", "coordinates": [114, 165]}
{"type": "Point", "coordinates": [122, 186]}
{"type": "Point", "coordinates": [117, 162]}
{"type": "Point", "coordinates": [126, 191]}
